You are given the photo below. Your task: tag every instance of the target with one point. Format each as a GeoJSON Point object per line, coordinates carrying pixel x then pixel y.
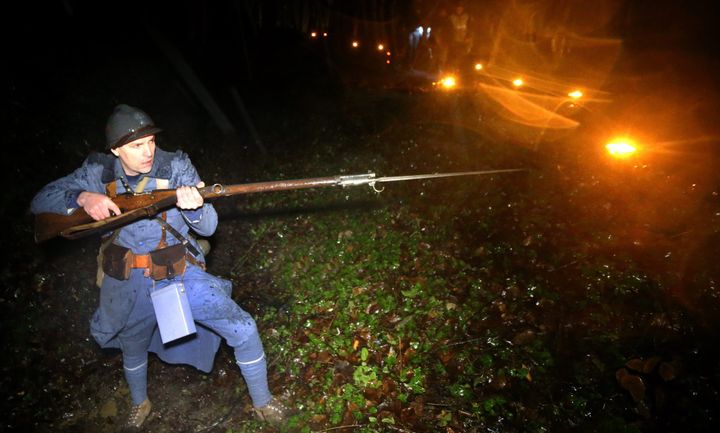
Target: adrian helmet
{"type": "Point", "coordinates": [127, 124]}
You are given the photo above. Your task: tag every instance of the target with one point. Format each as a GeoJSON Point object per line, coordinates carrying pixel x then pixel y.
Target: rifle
{"type": "Point", "coordinates": [148, 204]}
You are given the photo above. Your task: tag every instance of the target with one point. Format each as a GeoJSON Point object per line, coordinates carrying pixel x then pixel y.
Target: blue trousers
{"type": "Point", "coordinates": [211, 307]}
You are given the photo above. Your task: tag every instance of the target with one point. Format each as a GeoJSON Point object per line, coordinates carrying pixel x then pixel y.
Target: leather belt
{"type": "Point", "coordinates": [143, 261]}
{"type": "Point", "coordinates": [140, 260]}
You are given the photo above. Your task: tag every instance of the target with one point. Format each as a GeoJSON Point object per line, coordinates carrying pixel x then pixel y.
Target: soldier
{"type": "Point", "coordinates": [151, 254]}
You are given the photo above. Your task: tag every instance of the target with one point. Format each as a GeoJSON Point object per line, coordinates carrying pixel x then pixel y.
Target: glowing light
{"type": "Point", "coordinates": [387, 61]}
{"type": "Point", "coordinates": [355, 44]}
{"type": "Point", "coordinates": [324, 34]}
{"type": "Point", "coordinates": [381, 47]}
{"type": "Point", "coordinates": [478, 66]}
{"type": "Point", "coordinates": [518, 82]}
{"type": "Point", "coordinates": [448, 82]}
{"type": "Point", "coordinates": [621, 147]}
{"type": "Point", "coordinates": [313, 34]}
{"type": "Point", "coordinates": [576, 94]}
{"type": "Point", "coordinates": [387, 53]}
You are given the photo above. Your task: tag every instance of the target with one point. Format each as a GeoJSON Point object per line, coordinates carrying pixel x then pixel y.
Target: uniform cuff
{"type": "Point", "coordinates": [193, 216]}
{"type": "Point", "coordinates": [71, 199]}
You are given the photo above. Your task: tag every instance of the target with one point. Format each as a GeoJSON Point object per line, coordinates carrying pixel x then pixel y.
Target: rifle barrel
{"type": "Point", "coordinates": [218, 190]}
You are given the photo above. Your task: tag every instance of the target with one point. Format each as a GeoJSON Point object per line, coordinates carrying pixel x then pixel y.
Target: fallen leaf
{"type": "Point", "coordinates": [324, 356]}
{"type": "Point", "coordinates": [622, 372]}
{"type": "Point", "coordinates": [318, 418]}
{"type": "Point", "coordinates": [523, 337]}
{"type": "Point", "coordinates": [445, 357]}
{"type": "Point", "coordinates": [634, 385]}
{"type": "Point", "coordinates": [635, 364]}
{"type": "Point", "coordinates": [650, 364]}
{"type": "Point", "coordinates": [417, 407]}
{"type": "Point", "coordinates": [667, 371]}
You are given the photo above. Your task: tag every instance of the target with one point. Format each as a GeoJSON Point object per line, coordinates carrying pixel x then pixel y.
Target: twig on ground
{"type": "Point", "coordinates": [459, 343]}
{"type": "Point", "coordinates": [340, 427]}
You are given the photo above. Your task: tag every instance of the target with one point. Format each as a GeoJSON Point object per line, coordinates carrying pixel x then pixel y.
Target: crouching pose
{"type": "Point", "coordinates": [151, 254]}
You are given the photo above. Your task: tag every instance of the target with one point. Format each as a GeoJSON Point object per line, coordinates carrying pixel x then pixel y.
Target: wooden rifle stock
{"type": "Point", "coordinates": [146, 205]}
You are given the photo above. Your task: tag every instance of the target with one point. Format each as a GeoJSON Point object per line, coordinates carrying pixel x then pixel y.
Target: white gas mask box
{"type": "Point", "coordinates": [172, 310]}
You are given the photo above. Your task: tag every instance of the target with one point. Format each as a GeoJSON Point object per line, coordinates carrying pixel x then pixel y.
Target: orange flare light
{"type": "Point", "coordinates": [621, 147]}
{"type": "Point", "coordinates": [448, 82]}
{"type": "Point", "coordinates": [478, 66]}
{"type": "Point", "coordinates": [380, 47]}
{"type": "Point", "coordinates": [576, 94]}
{"type": "Point", "coordinates": [313, 34]}
{"type": "Point", "coordinates": [355, 44]}
{"type": "Point", "coordinates": [518, 82]}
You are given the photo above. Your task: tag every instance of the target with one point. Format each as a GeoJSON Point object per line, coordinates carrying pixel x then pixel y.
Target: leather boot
{"type": "Point", "coordinates": [138, 414]}
{"type": "Point", "coordinates": [274, 412]}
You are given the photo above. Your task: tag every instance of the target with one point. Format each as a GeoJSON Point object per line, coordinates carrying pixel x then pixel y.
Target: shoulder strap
{"type": "Point", "coordinates": [140, 187]}
{"type": "Point", "coordinates": [111, 187]}
{"type": "Point", "coordinates": [163, 222]}
{"type": "Point", "coordinates": [183, 240]}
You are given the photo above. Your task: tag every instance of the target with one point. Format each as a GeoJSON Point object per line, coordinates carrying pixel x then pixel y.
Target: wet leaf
{"type": "Point", "coordinates": [524, 337]}
{"type": "Point", "coordinates": [667, 371]}
{"type": "Point", "coordinates": [417, 407]}
{"type": "Point", "coordinates": [324, 356]}
{"type": "Point", "coordinates": [445, 357]}
{"type": "Point", "coordinates": [319, 418]}
{"type": "Point", "coordinates": [635, 364]}
{"type": "Point", "coordinates": [364, 354]}
{"type": "Point", "coordinates": [632, 384]}
{"type": "Point", "coordinates": [650, 364]}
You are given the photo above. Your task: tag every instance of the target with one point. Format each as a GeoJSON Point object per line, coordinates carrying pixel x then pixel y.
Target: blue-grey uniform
{"type": "Point", "coordinates": [125, 318]}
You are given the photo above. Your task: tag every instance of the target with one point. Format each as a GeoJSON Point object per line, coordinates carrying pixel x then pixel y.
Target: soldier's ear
{"type": "Point", "coordinates": [115, 152]}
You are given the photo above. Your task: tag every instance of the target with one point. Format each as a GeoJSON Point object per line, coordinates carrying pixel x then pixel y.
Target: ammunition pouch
{"type": "Point", "coordinates": [167, 262]}
{"type": "Point", "coordinates": [117, 261]}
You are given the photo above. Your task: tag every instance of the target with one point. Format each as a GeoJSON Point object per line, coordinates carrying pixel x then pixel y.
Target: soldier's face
{"type": "Point", "coordinates": [137, 156]}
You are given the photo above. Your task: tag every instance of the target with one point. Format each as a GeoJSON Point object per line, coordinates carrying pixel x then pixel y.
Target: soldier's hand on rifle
{"type": "Point", "coordinates": [98, 206]}
{"type": "Point", "coordinates": [188, 197]}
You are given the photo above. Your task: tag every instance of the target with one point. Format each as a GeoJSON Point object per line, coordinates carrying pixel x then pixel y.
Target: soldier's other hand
{"type": "Point", "coordinates": [188, 197]}
{"type": "Point", "coordinates": [98, 206]}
